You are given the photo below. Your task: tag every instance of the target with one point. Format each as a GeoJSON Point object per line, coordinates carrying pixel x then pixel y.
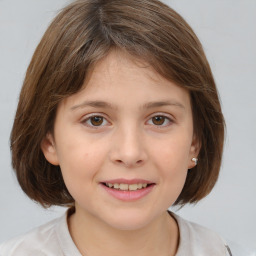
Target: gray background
{"type": "Point", "coordinates": [227, 29]}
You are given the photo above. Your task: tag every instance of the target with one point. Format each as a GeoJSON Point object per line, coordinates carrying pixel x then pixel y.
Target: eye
{"type": "Point", "coordinates": [160, 120]}
{"type": "Point", "coordinates": [95, 120]}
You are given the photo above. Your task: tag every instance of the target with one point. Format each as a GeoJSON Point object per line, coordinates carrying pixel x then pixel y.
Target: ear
{"type": "Point", "coordinates": [49, 149]}
{"type": "Point", "coordinates": [194, 151]}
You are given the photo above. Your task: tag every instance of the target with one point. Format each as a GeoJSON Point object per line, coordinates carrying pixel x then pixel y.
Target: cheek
{"type": "Point", "coordinates": [173, 167]}
{"type": "Point", "coordinates": [172, 153]}
{"type": "Point", "coordinates": [171, 160]}
{"type": "Point", "coordinates": [80, 162]}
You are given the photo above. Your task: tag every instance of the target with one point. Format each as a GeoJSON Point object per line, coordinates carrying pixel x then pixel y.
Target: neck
{"type": "Point", "coordinates": [93, 237]}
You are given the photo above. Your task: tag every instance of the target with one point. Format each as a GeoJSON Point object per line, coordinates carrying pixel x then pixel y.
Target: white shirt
{"type": "Point", "coordinates": [54, 239]}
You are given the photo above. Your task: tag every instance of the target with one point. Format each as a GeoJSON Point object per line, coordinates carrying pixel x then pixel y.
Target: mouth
{"type": "Point", "coordinates": [127, 187]}
{"type": "Point", "coordinates": [128, 190]}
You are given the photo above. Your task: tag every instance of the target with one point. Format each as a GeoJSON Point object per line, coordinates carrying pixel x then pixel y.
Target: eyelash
{"type": "Point", "coordinates": [166, 119]}
{"type": "Point", "coordinates": [89, 119]}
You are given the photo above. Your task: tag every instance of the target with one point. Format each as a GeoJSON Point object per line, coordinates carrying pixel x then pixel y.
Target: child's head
{"type": "Point", "coordinates": [80, 37]}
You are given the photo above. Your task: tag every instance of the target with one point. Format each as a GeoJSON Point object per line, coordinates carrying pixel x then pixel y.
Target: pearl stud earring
{"type": "Point", "coordinates": [195, 160]}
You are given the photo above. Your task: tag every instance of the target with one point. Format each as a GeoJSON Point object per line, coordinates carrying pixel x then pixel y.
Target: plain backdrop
{"type": "Point", "coordinates": [227, 30]}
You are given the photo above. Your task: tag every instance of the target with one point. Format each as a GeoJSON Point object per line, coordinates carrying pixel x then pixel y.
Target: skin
{"type": "Point", "coordinates": [129, 143]}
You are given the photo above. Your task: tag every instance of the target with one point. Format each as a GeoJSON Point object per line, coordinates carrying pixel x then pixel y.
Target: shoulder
{"type": "Point", "coordinates": [39, 241]}
{"type": "Point", "coordinates": [198, 240]}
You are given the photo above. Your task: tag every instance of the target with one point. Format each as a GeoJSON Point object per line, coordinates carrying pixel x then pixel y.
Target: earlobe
{"type": "Point", "coordinates": [194, 152]}
{"type": "Point", "coordinates": [49, 149]}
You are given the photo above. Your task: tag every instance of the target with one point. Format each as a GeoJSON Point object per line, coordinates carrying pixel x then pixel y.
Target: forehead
{"type": "Point", "coordinates": [121, 77]}
{"type": "Point", "coordinates": [118, 61]}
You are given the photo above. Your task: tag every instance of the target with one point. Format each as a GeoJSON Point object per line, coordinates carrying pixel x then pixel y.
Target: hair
{"type": "Point", "coordinates": [85, 32]}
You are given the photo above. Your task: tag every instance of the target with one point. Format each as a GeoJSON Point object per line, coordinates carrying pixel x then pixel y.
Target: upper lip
{"type": "Point", "coordinates": [128, 181]}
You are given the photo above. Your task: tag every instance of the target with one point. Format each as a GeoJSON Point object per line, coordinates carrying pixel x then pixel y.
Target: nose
{"type": "Point", "coordinates": [128, 148]}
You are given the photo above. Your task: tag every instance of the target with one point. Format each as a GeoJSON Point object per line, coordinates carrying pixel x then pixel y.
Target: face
{"type": "Point", "coordinates": [124, 143]}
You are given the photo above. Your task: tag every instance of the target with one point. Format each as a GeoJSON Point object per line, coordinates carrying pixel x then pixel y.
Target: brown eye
{"type": "Point", "coordinates": [96, 120]}
{"type": "Point", "coordinates": [158, 120]}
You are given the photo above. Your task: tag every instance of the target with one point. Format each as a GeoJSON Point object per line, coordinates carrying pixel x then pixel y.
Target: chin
{"type": "Point", "coordinates": [129, 225]}
{"type": "Point", "coordinates": [129, 220]}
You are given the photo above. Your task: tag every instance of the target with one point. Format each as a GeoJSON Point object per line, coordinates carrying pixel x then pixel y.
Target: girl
{"type": "Point", "coordinates": [118, 119]}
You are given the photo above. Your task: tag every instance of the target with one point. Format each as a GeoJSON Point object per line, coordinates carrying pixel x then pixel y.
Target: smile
{"type": "Point", "coordinates": [126, 187]}
{"type": "Point", "coordinates": [128, 190]}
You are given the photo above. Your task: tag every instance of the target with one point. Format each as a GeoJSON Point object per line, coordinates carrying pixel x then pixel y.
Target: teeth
{"type": "Point", "coordinates": [133, 187]}
{"type": "Point", "coordinates": [126, 187]}
{"type": "Point", "coordinates": [123, 186]}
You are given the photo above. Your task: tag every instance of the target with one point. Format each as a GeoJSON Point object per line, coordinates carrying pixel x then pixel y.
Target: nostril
{"type": "Point", "coordinates": [129, 163]}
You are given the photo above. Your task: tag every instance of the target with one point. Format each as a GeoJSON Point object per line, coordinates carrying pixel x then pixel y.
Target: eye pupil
{"type": "Point", "coordinates": [158, 120]}
{"type": "Point", "coordinates": [96, 120]}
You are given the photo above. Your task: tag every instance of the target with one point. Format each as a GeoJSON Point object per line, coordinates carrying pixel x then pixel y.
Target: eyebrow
{"type": "Point", "coordinates": [94, 104]}
{"type": "Point", "coordinates": [154, 104]}
{"type": "Point", "coordinates": [148, 105]}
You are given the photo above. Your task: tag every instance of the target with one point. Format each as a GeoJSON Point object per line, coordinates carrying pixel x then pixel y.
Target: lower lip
{"type": "Point", "coordinates": [131, 195]}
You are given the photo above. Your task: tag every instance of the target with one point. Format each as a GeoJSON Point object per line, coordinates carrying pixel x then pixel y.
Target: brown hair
{"type": "Point", "coordinates": [82, 34]}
